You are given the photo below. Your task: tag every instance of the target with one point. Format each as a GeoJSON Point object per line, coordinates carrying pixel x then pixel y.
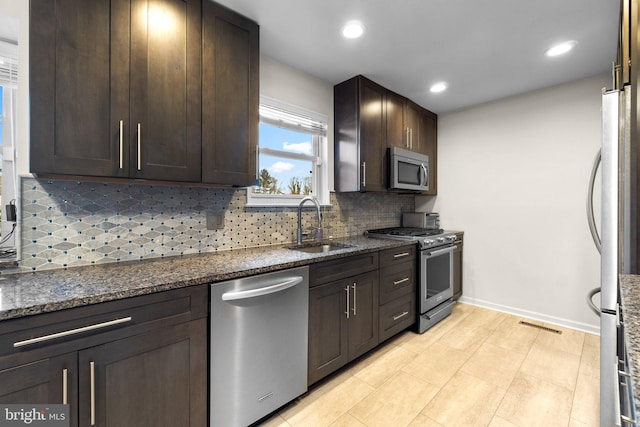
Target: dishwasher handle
{"type": "Point", "coordinates": [254, 293]}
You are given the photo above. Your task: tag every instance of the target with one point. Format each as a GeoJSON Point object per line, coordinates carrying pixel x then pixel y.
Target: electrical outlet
{"type": "Point", "coordinates": [215, 221]}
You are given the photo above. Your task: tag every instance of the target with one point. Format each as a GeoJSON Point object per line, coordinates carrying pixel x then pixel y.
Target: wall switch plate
{"type": "Point", "coordinates": [215, 221]}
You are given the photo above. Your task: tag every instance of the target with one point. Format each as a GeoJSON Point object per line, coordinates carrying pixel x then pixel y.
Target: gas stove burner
{"type": "Point", "coordinates": [426, 238]}
{"type": "Point", "coordinates": [406, 231]}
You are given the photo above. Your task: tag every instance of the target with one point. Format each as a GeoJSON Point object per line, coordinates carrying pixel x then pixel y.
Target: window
{"type": "Point", "coordinates": [291, 156]}
{"type": "Point", "coordinates": [8, 108]}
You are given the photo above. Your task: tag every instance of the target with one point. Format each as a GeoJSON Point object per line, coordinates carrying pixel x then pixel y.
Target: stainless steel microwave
{"type": "Point", "coordinates": [408, 170]}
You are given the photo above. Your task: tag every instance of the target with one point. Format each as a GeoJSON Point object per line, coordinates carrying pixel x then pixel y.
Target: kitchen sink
{"type": "Point", "coordinates": [320, 247]}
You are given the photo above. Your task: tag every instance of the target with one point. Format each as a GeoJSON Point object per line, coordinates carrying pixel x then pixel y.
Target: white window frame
{"type": "Point", "coordinates": [281, 114]}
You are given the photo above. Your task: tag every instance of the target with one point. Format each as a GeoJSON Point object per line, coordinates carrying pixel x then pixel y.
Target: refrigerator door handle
{"type": "Point", "coordinates": [590, 215]}
{"type": "Point", "coordinates": [590, 302]}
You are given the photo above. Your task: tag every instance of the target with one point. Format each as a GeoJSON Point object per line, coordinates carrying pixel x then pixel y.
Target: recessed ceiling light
{"type": "Point", "coordinates": [561, 48]}
{"type": "Point", "coordinates": [353, 29]}
{"type": "Point", "coordinates": [438, 87]}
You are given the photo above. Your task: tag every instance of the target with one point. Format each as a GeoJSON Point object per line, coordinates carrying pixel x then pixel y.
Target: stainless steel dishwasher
{"type": "Point", "coordinates": [258, 346]}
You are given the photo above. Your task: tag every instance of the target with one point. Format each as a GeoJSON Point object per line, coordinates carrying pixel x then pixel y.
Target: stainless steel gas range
{"type": "Point", "coordinates": [435, 268]}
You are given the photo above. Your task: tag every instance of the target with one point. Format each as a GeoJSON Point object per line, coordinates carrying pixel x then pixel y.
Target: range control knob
{"type": "Point", "coordinates": [441, 239]}
{"type": "Point", "coordinates": [429, 242]}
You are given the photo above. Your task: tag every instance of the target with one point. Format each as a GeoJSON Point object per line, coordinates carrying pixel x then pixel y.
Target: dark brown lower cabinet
{"type": "Point", "coordinates": [152, 371]}
{"type": "Point", "coordinates": [457, 267]}
{"type": "Point", "coordinates": [156, 379]}
{"type": "Point", "coordinates": [343, 322]}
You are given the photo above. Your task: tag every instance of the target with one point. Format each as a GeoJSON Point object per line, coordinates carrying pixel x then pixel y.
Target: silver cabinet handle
{"type": "Point", "coordinates": [401, 255]}
{"type": "Point", "coordinates": [139, 148]}
{"type": "Point", "coordinates": [400, 316]}
{"type": "Point", "coordinates": [398, 282]}
{"type": "Point", "coordinates": [121, 131]}
{"type": "Point", "coordinates": [411, 138]}
{"type": "Point", "coordinates": [347, 291]}
{"type": "Point", "coordinates": [253, 293]}
{"type": "Point", "coordinates": [407, 136]}
{"type": "Point", "coordinates": [65, 388]}
{"type": "Point", "coordinates": [92, 373]}
{"type": "Point", "coordinates": [71, 332]}
{"type": "Point", "coordinates": [364, 174]}
{"type": "Point", "coordinates": [354, 299]}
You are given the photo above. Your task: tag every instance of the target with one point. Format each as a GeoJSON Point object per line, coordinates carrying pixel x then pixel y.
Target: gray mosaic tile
{"type": "Point", "coordinates": [79, 223]}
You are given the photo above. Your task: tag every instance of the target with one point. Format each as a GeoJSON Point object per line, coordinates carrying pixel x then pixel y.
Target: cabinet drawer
{"type": "Point", "coordinates": [397, 316]}
{"type": "Point", "coordinates": [397, 255]}
{"type": "Point", "coordinates": [397, 280]}
{"type": "Point", "coordinates": [330, 271]}
{"type": "Point", "coordinates": [108, 320]}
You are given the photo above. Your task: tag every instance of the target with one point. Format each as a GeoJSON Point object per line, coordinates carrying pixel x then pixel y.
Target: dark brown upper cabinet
{"type": "Point", "coordinates": [115, 88]}
{"type": "Point", "coordinates": [368, 120]}
{"type": "Point", "coordinates": [360, 136]}
{"type": "Point", "coordinates": [231, 96]}
{"type": "Point", "coordinates": [149, 89]}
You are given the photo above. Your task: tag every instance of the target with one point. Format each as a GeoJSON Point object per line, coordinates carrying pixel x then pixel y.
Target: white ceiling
{"type": "Point", "coordinates": [484, 49]}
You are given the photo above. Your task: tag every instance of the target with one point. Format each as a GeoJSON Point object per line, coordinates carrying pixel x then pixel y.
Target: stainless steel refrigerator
{"type": "Point", "coordinates": [613, 244]}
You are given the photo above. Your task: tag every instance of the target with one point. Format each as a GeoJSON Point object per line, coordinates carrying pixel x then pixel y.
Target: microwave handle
{"type": "Point", "coordinates": [426, 175]}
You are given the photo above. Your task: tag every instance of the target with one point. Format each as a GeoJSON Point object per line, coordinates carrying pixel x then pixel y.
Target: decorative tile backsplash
{"type": "Point", "coordinates": [71, 223]}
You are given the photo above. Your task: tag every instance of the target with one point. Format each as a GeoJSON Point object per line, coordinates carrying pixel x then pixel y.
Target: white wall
{"type": "Point", "coordinates": [513, 175]}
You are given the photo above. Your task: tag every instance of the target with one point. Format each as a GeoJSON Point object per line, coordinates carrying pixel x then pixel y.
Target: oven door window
{"type": "Point", "coordinates": [436, 278]}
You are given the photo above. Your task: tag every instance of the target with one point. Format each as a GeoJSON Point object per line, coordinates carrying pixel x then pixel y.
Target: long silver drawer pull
{"type": "Point", "coordinates": [347, 291]}
{"type": "Point", "coordinates": [397, 282]}
{"type": "Point", "coordinates": [121, 143]}
{"type": "Point", "coordinates": [399, 316]}
{"type": "Point", "coordinates": [253, 293]}
{"type": "Point", "coordinates": [139, 149]}
{"type": "Point", "coordinates": [400, 255]}
{"type": "Point", "coordinates": [354, 299]}
{"type": "Point", "coordinates": [624, 374]}
{"type": "Point", "coordinates": [65, 388]}
{"type": "Point", "coordinates": [72, 332]}
{"type": "Point", "coordinates": [92, 373]}
{"type": "Point", "coordinates": [364, 174]}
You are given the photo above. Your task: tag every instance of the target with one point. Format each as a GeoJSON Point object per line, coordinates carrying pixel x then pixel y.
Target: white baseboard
{"type": "Point", "coordinates": [578, 326]}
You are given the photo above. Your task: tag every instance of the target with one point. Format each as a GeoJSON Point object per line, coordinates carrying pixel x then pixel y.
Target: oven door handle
{"type": "Point", "coordinates": [441, 251]}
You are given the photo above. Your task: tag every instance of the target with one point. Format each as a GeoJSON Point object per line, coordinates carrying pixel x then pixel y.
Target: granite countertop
{"type": "Point", "coordinates": [630, 300]}
{"type": "Point", "coordinates": [26, 294]}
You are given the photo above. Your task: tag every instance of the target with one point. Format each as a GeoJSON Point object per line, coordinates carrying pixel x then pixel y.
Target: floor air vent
{"type": "Point", "coordinates": [544, 328]}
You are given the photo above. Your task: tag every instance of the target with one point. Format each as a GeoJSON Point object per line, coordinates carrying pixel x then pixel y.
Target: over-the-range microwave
{"type": "Point", "coordinates": [408, 170]}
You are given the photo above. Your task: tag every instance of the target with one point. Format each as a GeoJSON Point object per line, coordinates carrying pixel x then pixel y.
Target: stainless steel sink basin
{"type": "Point", "coordinates": [320, 247]}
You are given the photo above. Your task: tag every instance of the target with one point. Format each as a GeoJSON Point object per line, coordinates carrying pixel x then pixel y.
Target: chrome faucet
{"type": "Point", "coordinates": [318, 234]}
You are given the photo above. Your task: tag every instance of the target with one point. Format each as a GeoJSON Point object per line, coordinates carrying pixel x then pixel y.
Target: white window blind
{"type": "Point", "coordinates": [278, 113]}
{"type": "Point", "coordinates": [8, 71]}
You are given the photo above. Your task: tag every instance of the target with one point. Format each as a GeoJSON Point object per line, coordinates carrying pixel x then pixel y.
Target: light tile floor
{"type": "Point", "coordinates": [477, 367]}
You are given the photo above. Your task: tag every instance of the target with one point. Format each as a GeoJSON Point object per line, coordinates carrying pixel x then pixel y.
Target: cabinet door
{"type": "Point", "coordinates": [427, 143]}
{"type": "Point", "coordinates": [395, 120]}
{"type": "Point", "coordinates": [79, 80]}
{"type": "Point", "coordinates": [49, 380]}
{"type": "Point", "coordinates": [363, 319]}
{"type": "Point", "coordinates": [412, 126]}
{"type": "Point", "coordinates": [230, 97]}
{"type": "Point", "coordinates": [156, 379]}
{"type": "Point", "coordinates": [165, 127]}
{"type": "Point", "coordinates": [372, 139]}
{"type": "Point", "coordinates": [327, 329]}
{"type": "Point", "coordinates": [457, 271]}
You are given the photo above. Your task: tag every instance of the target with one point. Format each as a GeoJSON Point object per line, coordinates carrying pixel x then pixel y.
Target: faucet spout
{"type": "Point", "coordinates": [315, 202]}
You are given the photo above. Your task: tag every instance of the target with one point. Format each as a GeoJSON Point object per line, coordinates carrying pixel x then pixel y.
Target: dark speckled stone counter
{"type": "Point", "coordinates": [32, 293]}
{"type": "Point", "coordinates": [630, 300]}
